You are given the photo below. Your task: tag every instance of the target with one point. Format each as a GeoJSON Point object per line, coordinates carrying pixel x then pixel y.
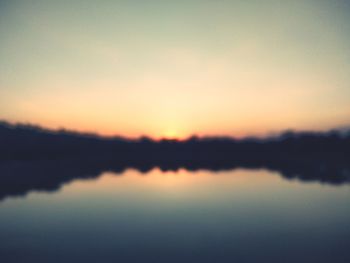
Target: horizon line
{"type": "Point", "coordinates": [269, 135]}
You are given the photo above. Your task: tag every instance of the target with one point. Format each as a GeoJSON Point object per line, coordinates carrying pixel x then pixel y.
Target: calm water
{"type": "Point", "coordinates": [230, 216]}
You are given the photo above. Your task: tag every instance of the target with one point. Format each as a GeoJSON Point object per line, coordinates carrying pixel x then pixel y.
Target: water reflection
{"type": "Point", "coordinates": [20, 177]}
{"type": "Point", "coordinates": [178, 216]}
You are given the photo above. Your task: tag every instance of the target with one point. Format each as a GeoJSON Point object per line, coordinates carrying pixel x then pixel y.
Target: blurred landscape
{"type": "Point", "coordinates": [161, 131]}
{"type": "Point", "coordinates": [33, 158]}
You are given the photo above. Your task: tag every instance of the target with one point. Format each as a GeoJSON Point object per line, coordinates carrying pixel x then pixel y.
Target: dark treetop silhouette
{"type": "Point", "coordinates": [32, 158]}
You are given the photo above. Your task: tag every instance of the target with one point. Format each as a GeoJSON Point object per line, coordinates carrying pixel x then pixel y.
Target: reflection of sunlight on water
{"type": "Point", "coordinates": [180, 210]}
{"type": "Point", "coordinates": [181, 182]}
{"type": "Point", "coordinates": [168, 180]}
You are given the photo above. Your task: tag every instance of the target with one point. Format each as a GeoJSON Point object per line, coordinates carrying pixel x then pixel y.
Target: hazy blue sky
{"type": "Point", "coordinates": [174, 68]}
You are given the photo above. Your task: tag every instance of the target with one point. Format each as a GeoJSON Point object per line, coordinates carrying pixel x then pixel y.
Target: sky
{"type": "Point", "coordinates": [176, 68]}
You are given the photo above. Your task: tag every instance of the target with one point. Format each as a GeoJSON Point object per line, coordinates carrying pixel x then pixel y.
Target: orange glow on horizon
{"type": "Point", "coordinates": [142, 73]}
{"type": "Point", "coordinates": [170, 130]}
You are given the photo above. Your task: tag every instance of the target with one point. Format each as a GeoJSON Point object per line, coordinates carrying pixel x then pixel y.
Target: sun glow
{"type": "Point", "coordinates": [152, 76]}
{"type": "Point", "coordinates": [171, 134]}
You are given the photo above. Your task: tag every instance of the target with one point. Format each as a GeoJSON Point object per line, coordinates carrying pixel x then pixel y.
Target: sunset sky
{"type": "Point", "coordinates": [176, 68]}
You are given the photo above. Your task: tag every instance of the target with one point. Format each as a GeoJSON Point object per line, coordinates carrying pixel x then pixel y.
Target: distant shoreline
{"type": "Point", "coordinates": [37, 159]}
{"type": "Point", "coordinates": [20, 142]}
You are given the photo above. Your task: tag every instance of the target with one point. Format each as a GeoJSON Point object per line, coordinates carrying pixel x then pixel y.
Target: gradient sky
{"type": "Point", "coordinates": [176, 68]}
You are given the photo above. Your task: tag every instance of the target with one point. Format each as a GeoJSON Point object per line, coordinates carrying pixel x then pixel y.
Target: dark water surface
{"type": "Point", "coordinates": [239, 215]}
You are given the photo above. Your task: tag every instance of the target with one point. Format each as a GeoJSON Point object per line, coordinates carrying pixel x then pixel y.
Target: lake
{"type": "Point", "coordinates": [240, 215]}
